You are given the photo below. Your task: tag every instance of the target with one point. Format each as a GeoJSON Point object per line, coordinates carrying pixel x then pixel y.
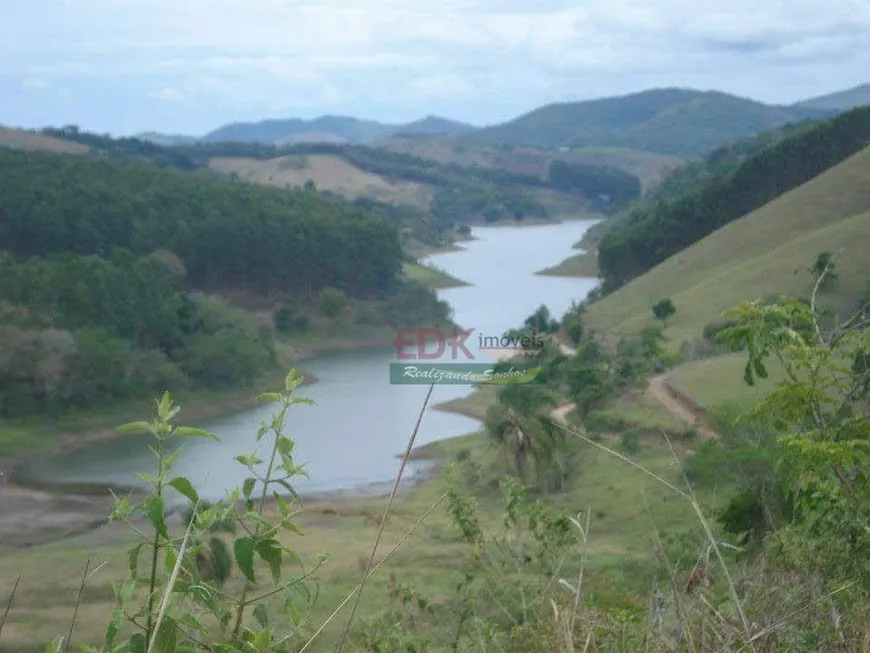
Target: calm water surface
{"type": "Point", "coordinates": [361, 422]}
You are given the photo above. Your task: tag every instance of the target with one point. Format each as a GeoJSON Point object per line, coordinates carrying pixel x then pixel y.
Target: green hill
{"type": "Point", "coordinates": [765, 253]}
{"type": "Point", "coordinates": [329, 129]}
{"type": "Point", "coordinates": [841, 100]}
{"type": "Point", "coordinates": [668, 226]}
{"type": "Point", "coordinates": [679, 180]}
{"type": "Point", "coordinates": [676, 121]}
{"type": "Point", "coordinates": [107, 267]}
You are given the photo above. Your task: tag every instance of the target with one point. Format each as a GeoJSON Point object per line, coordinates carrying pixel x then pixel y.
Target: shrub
{"type": "Point", "coordinates": [333, 301]}
{"type": "Point", "coordinates": [289, 320]}
{"type": "Point", "coordinates": [629, 441]}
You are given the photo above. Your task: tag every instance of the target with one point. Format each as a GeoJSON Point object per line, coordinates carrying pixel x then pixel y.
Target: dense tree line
{"type": "Point", "coordinates": [593, 182]}
{"type": "Point", "coordinates": [127, 147]}
{"type": "Point", "coordinates": [689, 177]}
{"type": "Point", "coordinates": [82, 330]}
{"type": "Point", "coordinates": [228, 235]}
{"type": "Point", "coordinates": [652, 235]}
{"type": "Point", "coordinates": [507, 191]}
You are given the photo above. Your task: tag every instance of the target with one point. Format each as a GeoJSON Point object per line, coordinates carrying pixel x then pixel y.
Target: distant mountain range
{"type": "Point", "coordinates": [841, 100]}
{"type": "Point", "coordinates": [673, 121]}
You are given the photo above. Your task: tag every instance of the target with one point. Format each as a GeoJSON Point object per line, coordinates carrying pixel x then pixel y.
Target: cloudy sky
{"type": "Point", "coordinates": [189, 66]}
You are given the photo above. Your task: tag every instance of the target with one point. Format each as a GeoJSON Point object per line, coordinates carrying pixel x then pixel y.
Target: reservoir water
{"type": "Point", "coordinates": [361, 422]}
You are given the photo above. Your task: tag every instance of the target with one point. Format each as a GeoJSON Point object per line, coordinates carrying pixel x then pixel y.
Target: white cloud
{"type": "Point", "coordinates": [168, 95]}
{"type": "Point", "coordinates": [35, 85]}
{"type": "Point", "coordinates": [289, 54]}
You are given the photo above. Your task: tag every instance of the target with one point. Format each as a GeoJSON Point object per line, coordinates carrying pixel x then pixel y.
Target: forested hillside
{"type": "Point", "coordinates": [669, 121]}
{"type": "Point", "coordinates": [692, 175]}
{"type": "Point", "coordinates": [656, 231]}
{"type": "Point", "coordinates": [227, 234]}
{"type": "Point", "coordinates": [100, 258]}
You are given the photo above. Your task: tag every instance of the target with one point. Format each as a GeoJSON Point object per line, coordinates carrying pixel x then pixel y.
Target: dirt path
{"type": "Point", "coordinates": [658, 389]}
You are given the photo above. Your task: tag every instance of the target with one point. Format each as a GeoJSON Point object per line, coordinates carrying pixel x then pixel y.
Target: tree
{"type": "Point", "coordinates": [521, 424]}
{"type": "Point", "coordinates": [664, 309]}
{"type": "Point", "coordinates": [823, 270]}
{"type": "Point", "coordinates": [820, 412]}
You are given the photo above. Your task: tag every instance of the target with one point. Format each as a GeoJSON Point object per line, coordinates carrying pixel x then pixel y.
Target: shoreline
{"type": "Point", "coordinates": [62, 511]}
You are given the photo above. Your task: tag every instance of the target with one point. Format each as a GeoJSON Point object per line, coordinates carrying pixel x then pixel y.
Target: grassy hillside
{"type": "Point", "coordinates": [767, 252]}
{"type": "Point", "coordinates": [662, 229]}
{"type": "Point", "coordinates": [649, 167]}
{"type": "Point", "coordinates": [674, 121]}
{"type": "Point", "coordinates": [327, 172]}
{"type": "Point", "coordinates": [25, 140]}
{"type": "Point", "coordinates": [689, 177]}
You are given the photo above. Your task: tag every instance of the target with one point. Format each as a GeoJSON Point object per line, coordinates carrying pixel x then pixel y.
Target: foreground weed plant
{"type": "Point", "coordinates": [180, 602]}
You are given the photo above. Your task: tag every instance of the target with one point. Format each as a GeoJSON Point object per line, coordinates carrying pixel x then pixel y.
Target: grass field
{"type": "Point", "coordinates": [328, 172]}
{"type": "Point", "coordinates": [716, 381]}
{"type": "Point", "coordinates": [584, 264]}
{"type": "Point", "coordinates": [431, 277]}
{"type": "Point", "coordinates": [619, 568]}
{"type": "Point", "coordinates": [765, 253]}
{"type": "Point", "coordinates": [25, 140]}
{"type": "Point", "coordinates": [650, 167]}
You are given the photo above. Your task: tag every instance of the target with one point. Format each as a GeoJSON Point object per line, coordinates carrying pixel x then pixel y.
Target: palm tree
{"type": "Point", "coordinates": [520, 422]}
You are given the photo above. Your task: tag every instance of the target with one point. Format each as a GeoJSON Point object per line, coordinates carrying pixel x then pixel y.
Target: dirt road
{"type": "Point", "coordinates": [658, 388]}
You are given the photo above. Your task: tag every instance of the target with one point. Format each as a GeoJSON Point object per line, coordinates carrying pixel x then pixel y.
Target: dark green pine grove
{"type": "Point", "coordinates": [105, 264]}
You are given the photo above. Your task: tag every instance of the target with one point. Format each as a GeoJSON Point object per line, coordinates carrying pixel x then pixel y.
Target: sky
{"type": "Point", "coordinates": [190, 66]}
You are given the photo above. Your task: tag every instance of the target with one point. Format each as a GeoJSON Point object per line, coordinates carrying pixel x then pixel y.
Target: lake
{"type": "Point", "coordinates": [351, 439]}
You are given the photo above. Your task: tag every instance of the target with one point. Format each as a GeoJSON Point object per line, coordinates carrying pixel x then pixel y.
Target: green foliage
{"type": "Point", "coordinates": [332, 302]}
{"type": "Point", "coordinates": [90, 331]}
{"type": "Point", "coordinates": [664, 309]}
{"type": "Point", "coordinates": [819, 411]}
{"type": "Point", "coordinates": [182, 604]}
{"type": "Point", "coordinates": [229, 235]}
{"type": "Point", "coordinates": [593, 182]}
{"type": "Point", "coordinates": [289, 319]}
{"type": "Point", "coordinates": [629, 441]}
{"type": "Point", "coordinates": [824, 270]}
{"type": "Point", "coordinates": [666, 120]}
{"type": "Point", "coordinates": [658, 231]}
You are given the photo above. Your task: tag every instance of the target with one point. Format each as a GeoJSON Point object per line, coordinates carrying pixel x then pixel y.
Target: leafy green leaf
{"type": "Point", "coordinates": [133, 559]}
{"type": "Point", "coordinates": [268, 397]}
{"type": "Point", "coordinates": [156, 514]}
{"type": "Point", "coordinates": [243, 549]}
{"type": "Point", "coordinates": [114, 628]}
{"type": "Point", "coordinates": [190, 432]}
{"type": "Point", "coordinates": [270, 551]}
{"type": "Point", "coordinates": [166, 639]}
{"type": "Point", "coordinates": [261, 615]}
{"type": "Point", "coordinates": [136, 427]}
{"type": "Point", "coordinates": [169, 560]}
{"type": "Point", "coordinates": [248, 487]}
{"type": "Point", "coordinates": [127, 590]}
{"type": "Point", "coordinates": [137, 643]}
{"type": "Point", "coordinates": [185, 487]}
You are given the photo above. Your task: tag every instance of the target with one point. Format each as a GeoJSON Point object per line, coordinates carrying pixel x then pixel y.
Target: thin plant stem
{"type": "Point", "coordinates": [9, 603]}
{"type": "Point", "coordinates": [72, 624]}
{"type": "Point", "coordinates": [356, 590]}
{"type": "Point", "coordinates": [383, 523]}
